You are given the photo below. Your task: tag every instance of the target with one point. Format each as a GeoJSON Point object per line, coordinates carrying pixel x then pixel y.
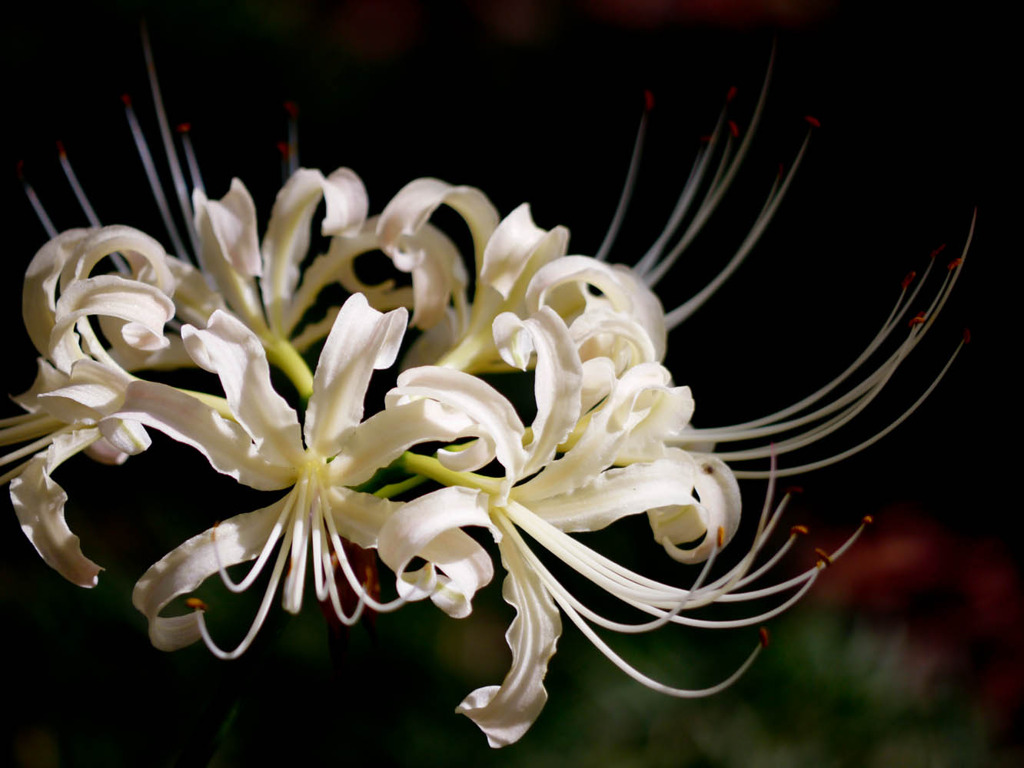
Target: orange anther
{"type": "Point", "coordinates": [917, 319]}
{"type": "Point", "coordinates": [799, 530]}
{"type": "Point", "coordinates": [765, 638]}
{"type": "Point", "coordinates": [196, 604]}
{"type": "Point", "coordinates": [824, 557]}
{"type": "Point", "coordinates": [955, 263]}
{"type": "Point", "coordinates": [60, 148]}
{"type": "Point", "coordinates": [867, 520]}
{"type": "Point", "coordinates": [908, 279]}
{"type": "Point", "coordinates": [721, 536]}
{"type": "Point", "coordinates": [814, 122]}
{"type": "Point", "coordinates": [648, 100]}
{"type": "Point", "coordinates": [938, 250]}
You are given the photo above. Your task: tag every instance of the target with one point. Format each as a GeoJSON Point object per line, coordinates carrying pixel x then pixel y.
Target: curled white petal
{"type": "Point", "coordinates": [429, 527]}
{"type": "Point", "coordinates": [286, 242]}
{"type": "Point", "coordinates": [362, 340]}
{"type": "Point", "coordinates": [39, 504]}
{"type": "Point", "coordinates": [716, 514]}
{"type": "Point", "coordinates": [504, 713]}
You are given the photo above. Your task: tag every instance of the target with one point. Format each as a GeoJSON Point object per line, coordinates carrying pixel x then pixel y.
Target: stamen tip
{"type": "Point", "coordinates": [793, 489]}
{"type": "Point", "coordinates": [126, 100]}
{"type": "Point", "coordinates": [734, 129]}
{"type": "Point", "coordinates": [824, 558]}
{"type": "Point", "coordinates": [955, 263]}
{"type": "Point", "coordinates": [917, 319]}
{"type": "Point", "coordinates": [731, 94]}
{"type": "Point", "coordinates": [196, 604]}
{"type": "Point", "coordinates": [183, 127]}
{"type": "Point", "coordinates": [812, 121]}
{"type": "Point", "coordinates": [721, 537]}
{"type": "Point", "coordinates": [19, 168]}
{"type": "Point", "coordinates": [648, 100]}
{"type": "Point", "coordinates": [967, 335]}
{"type": "Point", "coordinates": [765, 637]}
{"type": "Point", "coordinates": [908, 279]}
{"type": "Point", "coordinates": [292, 109]}
{"type": "Point", "coordinates": [799, 530]}
{"type": "Point", "coordinates": [282, 147]}
{"type": "Point", "coordinates": [60, 149]}
{"type": "Point", "coordinates": [938, 250]}
{"type": "Point", "coordinates": [867, 520]}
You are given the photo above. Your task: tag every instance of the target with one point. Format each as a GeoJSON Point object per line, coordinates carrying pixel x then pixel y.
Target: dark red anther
{"type": "Point", "coordinates": [917, 319]}
{"type": "Point", "coordinates": [648, 100]}
{"type": "Point", "coordinates": [813, 121]}
{"type": "Point", "coordinates": [730, 94]}
{"type": "Point", "coordinates": [765, 638]}
{"type": "Point", "coordinates": [967, 335]}
{"type": "Point", "coordinates": [126, 100]}
{"type": "Point", "coordinates": [794, 489]}
{"type": "Point", "coordinates": [60, 148]}
{"type": "Point", "coordinates": [782, 170]}
{"type": "Point", "coordinates": [19, 168]}
{"type": "Point", "coordinates": [908, 279]}
{"type": "Point", "coordinates": [292, 109]}
{"type": "Point", "coordinates": [184, 127]}
{"type": "Point", "coordinates": [734, 129]}
{"type": "Point", "coordinates": [282, 147]}
{"type": "Point", "coordinates": [938, 250]}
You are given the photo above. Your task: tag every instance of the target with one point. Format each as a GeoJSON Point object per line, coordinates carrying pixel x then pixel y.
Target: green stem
{"type": "Point", "coordinates": [433, 469]}
{"type": "Point", "coordinates": [284, 356]}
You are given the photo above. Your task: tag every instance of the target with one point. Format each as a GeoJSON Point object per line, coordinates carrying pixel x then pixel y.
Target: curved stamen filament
{"type": "Point", "coordinates": [629, 185]}
{"type": "Point", "coordinates": [261, 613]}
{"type": "Point", "coordinates": [261, 560]}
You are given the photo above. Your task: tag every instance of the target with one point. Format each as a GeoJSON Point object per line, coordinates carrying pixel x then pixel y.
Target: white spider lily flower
{"type": "Point", "coordinates": [79, 384]}
{"type": "Point", "coordinates": [264, 446]}
{"type": "Point", "coordinates": [584, 467]}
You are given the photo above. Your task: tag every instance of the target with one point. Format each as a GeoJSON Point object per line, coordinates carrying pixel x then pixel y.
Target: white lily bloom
{"type": "Point", "coordinates": [596, 453]}
{"type": "Point", "coordinates": [79, 384]}
{"type": "Point", "coordinates": [264, 446]}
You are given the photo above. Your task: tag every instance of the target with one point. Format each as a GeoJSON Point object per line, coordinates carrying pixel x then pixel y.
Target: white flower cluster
{"type": "Point", "coordinates": [610, 437]}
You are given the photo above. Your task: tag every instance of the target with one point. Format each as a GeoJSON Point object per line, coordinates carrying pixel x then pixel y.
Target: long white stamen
{"type": "Point", "coordinates": [264, 555]}
{"type": "Point", "coordinates": [184, 131]}
{"type": "Point", "coordinates": [83, 201]}
{"type": "Point", "coordinates": [177, 177]}
{"type": "Point", "coordinates": [36, 203]}
{"type": "Point", "coordinates": [261, 614]}
{"type": "Point", "coordinates": [630, 183]}
{"type": "Point", "coordinates": [676, 316]}
{"type": "Point", "coordinates": [155, 186]}
{"type": "Point", "coordinates": [353, 580]}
